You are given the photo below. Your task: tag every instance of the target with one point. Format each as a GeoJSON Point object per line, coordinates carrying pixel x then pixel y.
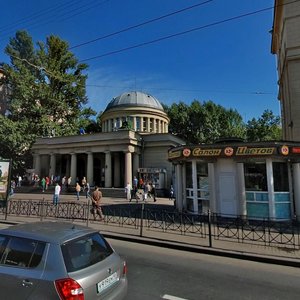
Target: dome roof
{"type": "Point", "coordinates": [134, 99]}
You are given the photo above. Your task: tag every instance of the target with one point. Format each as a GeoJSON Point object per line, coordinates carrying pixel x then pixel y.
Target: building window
{"type": "Point", "coordinates": [189, 175]}
{"type": "Point", "coordinates": [151, 125]}
{"type": "Point", "coordinates": [255, 177]}
{"type": "Point", "coordinates": [118, 123]}
{"type": "Point", "coordinates": [280, 175]}
{"type": "Point", "coordinates": [138, 123]}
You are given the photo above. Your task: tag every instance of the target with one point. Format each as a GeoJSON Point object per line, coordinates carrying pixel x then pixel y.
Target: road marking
{"type": "Point", "coordinates": [169, 297]}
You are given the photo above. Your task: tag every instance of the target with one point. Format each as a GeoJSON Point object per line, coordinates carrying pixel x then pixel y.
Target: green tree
{"type": "Point", "coordinates": [47, 90]}
{"type": "Point", "coordinates": [87, 122]}
{"type": "Point", "coordinates": [204, 123]}
{"type": "Point", "coordinates": [265, 128]}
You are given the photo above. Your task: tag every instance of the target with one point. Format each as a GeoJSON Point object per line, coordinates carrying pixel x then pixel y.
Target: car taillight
{"type": "Point", "coordinates": [69, 289]}
{"type": "Point", "coordinates": [124, 268]}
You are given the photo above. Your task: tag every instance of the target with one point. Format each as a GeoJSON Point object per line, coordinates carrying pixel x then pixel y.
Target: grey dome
{"type": "Point", "coordinates": [134, 99]}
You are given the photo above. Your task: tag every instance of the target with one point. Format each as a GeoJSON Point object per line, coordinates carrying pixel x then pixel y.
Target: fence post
{"type": "Point", "coordinates": [142, 220]}
{"type": "Point", "coordinates": [209, 228]}
{"type": "Point", "coordinates": [6, 209]}
{"type": "Point", "coordinates": [88, 212]}
{"type": "Point", "coordinates": [42, 210]}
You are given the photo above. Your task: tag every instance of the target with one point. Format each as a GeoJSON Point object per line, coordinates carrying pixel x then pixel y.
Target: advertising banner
{"type": "Point", "coordinates": [4, 180]}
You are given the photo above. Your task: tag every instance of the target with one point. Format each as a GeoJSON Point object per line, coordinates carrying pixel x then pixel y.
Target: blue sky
{"type": "Point", "coordinates": [229, 63]}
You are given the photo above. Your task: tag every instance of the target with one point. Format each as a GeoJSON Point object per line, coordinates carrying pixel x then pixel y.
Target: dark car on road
{"type": "Point", "coordinates": [59, 260]}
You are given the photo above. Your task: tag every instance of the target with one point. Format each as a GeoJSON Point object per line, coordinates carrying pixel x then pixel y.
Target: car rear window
{"type": "Point", "coordinates": [21, 252]}
{"type": "Point", "coordinates": [86, 251]}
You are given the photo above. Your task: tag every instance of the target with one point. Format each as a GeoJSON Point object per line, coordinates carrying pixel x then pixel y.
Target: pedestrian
{"type": "Point", "coordinates": [47, 182]}
{"type": "Point", "coordinates": [147, 190]}
{"type": "Point", "coordinates": [171, 193]}
{"type": "Point", "coordinates": [63, 181]}
{"type": "Point", "coordinates": [128, 189]}
{"type": "Point", "coordinates": [19, 181]}
{"type": "Point", "coordinates": [69, 181]}
{"type": "Point", "coordinates": [77, 189]}
{"type": "Point", "coordinates": [12, 188]}
{"type": "Point", "coordinates": [141, 183]}
{"type": "Point", "coordinates": [153, 191]}
{"type": "Point", "coordinates": [56, 194]}
{"type": "Point", "coordinates": [83, 182]}
{"type": "Point", "coordinates": [96, 204]}
{"type": "Point", "coordinates": [134, 187]}
{"type": "Point", "coordinates": [43, 184]}
{"type": "Point", "coordinates": [87, 190]}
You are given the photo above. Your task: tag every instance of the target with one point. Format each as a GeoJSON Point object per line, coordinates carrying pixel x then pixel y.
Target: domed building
{"type": "Point", "coordinates": [134, 142]}
{"type": "Point", "coordinates": [140, 112]}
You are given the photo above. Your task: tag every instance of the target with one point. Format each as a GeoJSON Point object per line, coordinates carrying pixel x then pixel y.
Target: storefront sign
{"type": "Point", "coordinates": [255, 151]}
{"type": "Point", "coordinates": [284, 150]}
{"type": "Point", "coordinates": [151, 170]}
{"type": "Point", "coordinates": [206, 152]}
{"type": "Point", "coordinates": [4, 180]}
{"type": "Point", "coordinates": [186, 152]}
{"type": "Point", "coordinates": [174, 154]}
{"type": "Point", "coordinates": [296, 150]}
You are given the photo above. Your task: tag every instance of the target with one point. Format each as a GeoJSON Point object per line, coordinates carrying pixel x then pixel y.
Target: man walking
{"type": "Point", "coordinates": [96, 200]}
{"type": "Point", "coordinates": [56, 194]}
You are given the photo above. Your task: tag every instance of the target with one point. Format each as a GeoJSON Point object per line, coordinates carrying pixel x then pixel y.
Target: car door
{"type": "Point", "coordinates": [20, 266]}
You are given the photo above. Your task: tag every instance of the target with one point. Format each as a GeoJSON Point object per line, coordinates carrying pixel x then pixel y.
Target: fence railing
{"type": "Point", "coordinates": [143, 218]}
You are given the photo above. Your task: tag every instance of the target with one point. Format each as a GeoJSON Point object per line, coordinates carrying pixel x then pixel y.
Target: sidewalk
{"type": "Point", "coordinates": [152, 236]}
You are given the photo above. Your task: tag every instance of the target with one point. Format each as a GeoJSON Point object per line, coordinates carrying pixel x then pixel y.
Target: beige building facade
{"type": "Point", "coordinates": [286, 46]}
{"type": "Point", "coordinates": [134, 142]}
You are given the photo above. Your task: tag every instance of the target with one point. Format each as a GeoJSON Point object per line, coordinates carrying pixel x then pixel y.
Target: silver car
{"type": "Point", "coordinates": [58, 260]}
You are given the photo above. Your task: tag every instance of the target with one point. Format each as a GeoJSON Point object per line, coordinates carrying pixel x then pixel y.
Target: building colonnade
{"type": "Point", "coordinates": [138, 123]}
{"type": "Point", "coordinates": [107, 169]}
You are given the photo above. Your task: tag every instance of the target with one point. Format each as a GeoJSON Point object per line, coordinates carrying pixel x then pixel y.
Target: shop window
{"type": "Point", "coordinates": [189, 175]}
{"type": "Point", "coordinates": [281, 179]}
{"type": "Point", "coordinates": [203, 185]}
{"type": "Point", "coordinates": [255, 177]}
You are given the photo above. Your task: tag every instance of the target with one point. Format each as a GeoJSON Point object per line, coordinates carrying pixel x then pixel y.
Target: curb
{"type": "Point", "coordinates": [205, 250]}
{"type": "Point", "coordinates": [275, 260]}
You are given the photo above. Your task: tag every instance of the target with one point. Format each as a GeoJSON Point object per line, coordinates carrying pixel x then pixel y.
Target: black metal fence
{"type": "Point", "coordinates": [142, 217]}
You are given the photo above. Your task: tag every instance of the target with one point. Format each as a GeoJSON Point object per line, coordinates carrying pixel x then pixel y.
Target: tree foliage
{"type": "Point", "coordinates": [265, 128]}
{"type": "Point", "coordinates": [204, 122]}
{"type": "Point", "coordinates": [46, 92]}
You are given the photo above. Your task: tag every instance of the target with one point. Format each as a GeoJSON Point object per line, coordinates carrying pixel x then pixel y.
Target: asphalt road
{"type": "Point", "coordinates": [160, 273]}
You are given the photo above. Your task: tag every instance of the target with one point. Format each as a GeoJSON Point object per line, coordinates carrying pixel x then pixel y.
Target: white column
{"type": "Point", "coordinates": [117, 175]}
{"type": "Point", "coordinates": [241, 189]}
{"type": "Point", "coordinates": [37, 164]}
{"type": "Point", "coordinates": [270, 182]}
{"type": "Point", "coordinates": [52, 170]}
{"type": "Point", "coordinates": [296, 186]}
{"type": "Point", "coordinates": [148, 125]}
{"type": "Point", "coordinates": [90, 168]}
{"type": "Point", "coordinates": [73, 167]}
{"type": "Point", "coordinates": [110, 125]}
{"type": "Point", "coordinates": [184, 204]}
{"type": "Point", "coordinates": [142, 124]}
{"type": "Point", "coordinates": [179, 194]}
{"type": "Point", "coordinates": [159, 126]}
{"type": "Point", "coordinates": [195, 186]}
{"type": "Point", "coordinates": [107, 169]}
{"type": "Point", "coordinates": [128, 168]}
{"type": "Point", "coordinates": [134, 124]}
{"type": "Point", "coordinates": [212, 188]}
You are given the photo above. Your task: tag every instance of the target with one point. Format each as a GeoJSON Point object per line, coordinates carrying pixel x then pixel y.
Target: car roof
{"type": "Point", "coordinates": [52, 232]}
